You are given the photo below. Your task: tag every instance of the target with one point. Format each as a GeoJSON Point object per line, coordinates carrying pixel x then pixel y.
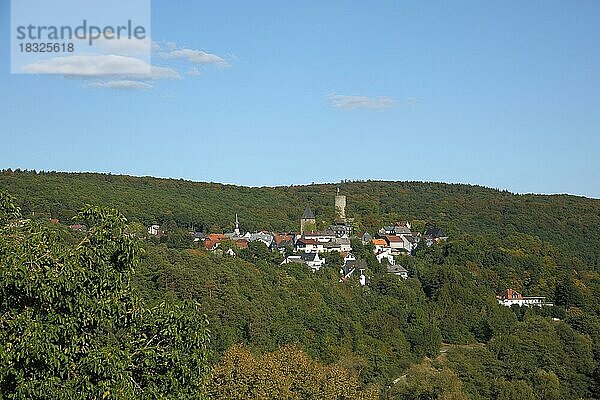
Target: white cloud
{"type": "Point", "coordinates": [121, 84]}
{"type": "Point", "coordinates": [100, 66]}
{"type": "Point", "coordinates": [125, 46]}
{"type": "Point", "coordinates": [357, 102]}
{"type": "Point", "coordinates": [120, 64]}
{"type": "Point", "coordinates": [195, 56]}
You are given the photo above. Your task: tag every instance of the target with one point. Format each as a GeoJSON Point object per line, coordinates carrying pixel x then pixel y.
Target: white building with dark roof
{"type": "Point", "coordinates": [398, 270]}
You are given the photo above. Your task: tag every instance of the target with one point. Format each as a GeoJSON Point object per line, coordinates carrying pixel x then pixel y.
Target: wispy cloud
{"type": "Point", "coordinates": [119, 67]}
{"type": "Point", "coordinates": [345, 102]}
{"type": "Point", "coordinates": [195, 56]}
{"type": "Point", "coordinates": [121, 85]}
{"type": "Point", "coordinates": [125, 46]}
{"type": "Point", "coordinates": [90, 66]}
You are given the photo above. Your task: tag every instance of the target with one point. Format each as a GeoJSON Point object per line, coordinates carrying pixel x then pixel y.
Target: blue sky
{"type": "Point", "coordinates": [504, 94]}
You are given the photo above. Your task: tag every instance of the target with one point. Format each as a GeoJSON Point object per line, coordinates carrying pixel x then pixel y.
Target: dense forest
{"type": "Point", "coordinates": [281, 331]}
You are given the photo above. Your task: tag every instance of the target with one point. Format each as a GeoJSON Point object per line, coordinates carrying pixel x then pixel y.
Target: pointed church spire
{"type": "Point", "coordinates": [237, 225]}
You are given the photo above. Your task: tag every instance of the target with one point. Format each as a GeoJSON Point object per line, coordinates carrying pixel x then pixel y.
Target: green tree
{"type": "Point", "coordinates": [287, 373]}
{"type": "Point", "coordinates": [515, 389]}
{"type": "Point", "coordinates": [567, 294]}
{"type": "Point", "coordinates": [70, 326]}
{"type": "Point", "coordinates": [422, 382]}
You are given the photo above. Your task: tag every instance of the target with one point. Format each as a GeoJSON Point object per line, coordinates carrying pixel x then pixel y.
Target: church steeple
{"type": "Point", "coordinates": [237, 225]}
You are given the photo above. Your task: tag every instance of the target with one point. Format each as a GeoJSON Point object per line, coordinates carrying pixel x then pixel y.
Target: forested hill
{"type": "Point", "coordinates": [438, 334]}
{"type": "Point", "coordinates": [569, 223]}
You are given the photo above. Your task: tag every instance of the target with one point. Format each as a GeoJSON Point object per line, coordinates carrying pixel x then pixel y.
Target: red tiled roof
{"type": "Point", "coordinates": [393, 239]}
{"type": "Point", "coordinates": [308, 241]}
{"type": "Point", "coordinates": [282, 238]}
{"type": "Point", "coordinates": [379, 242]}
{"type": "Point", "coordinates": [509, 294]}
{"type": "Point", "coordinates": [213, 240]}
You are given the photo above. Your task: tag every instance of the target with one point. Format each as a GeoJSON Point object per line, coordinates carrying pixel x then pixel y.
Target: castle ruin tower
{"type": "Point", "coordinates": [340, 207]}
{"type": "Point", "coordinates": [308, 222]}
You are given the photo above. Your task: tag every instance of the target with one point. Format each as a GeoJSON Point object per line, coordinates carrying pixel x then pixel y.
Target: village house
{"type": "Point", "coordinates": [398, 270]}
{"type": "Point", "coordinates": [154, 230]}
{"type": "Point", "coordinates": [510, 297]}
{"type": "Point", "coordinates": [282, 242]}
{"type": "Point", "coordinates": [398, 244]}
{"type": "Point", "coordinates": [342, 229]}
{"type": "Point", "coordinates": [385, 255]}
{"type": "Point", "coordinates": [380, 244]}
{"type": "Point", "coordinates": [309, 246]}
{"type": "Point", "coordinates": [323, 237]}
{"type": "Point", "coordinates": [341, 245]}
{"type": "Point", "coordinates": [311, 259]}
{"type": "Point", "coordinates": [394, 230]}
{"type": "Point", "coordinates": [213, 240]}
{"type": "Point", "coordinates": [366, 237]}
{"type": "Point", "coordinates": [435, 234]}
{"type": "Point", "coordinates": [399, 228]}
{"type": "Point", "coordinates": [264, 237]}
{"type": "Point", "coordinates": [409, 243]}
{"type": "Point", "coordinates": [198, 236]}
{"type": "Point", "coordinates": [352, 264]}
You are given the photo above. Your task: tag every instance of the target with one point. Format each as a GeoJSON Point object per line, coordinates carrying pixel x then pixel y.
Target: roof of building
{"type": "Point", "coordinates": [308, 241]}
{"type": "Point", "coordinates": [436, 232]}
{"type": "Point", "coordinates": [410, 238]}
{"type": "Point", "coordinates": [396, 269]}
{"type": "Point", "coordinates": [279, 239]}
{"type": "Point", "coordinates": [309, 256]}
{"type": "Point", "coordinates": [264, 236]}
{"type": "Point", "coordinates": [401, 230]}
{"type": "Point", "coordinates": [510, 294]}
{"type": "Point", "coordinates": [393, 239]}
{"type": "Point", "coordinates": [350, 265]}
{"type": "Point", "coordinates": [210, 244]}
{"type": "Point", "coordinates": [307, 214]}
{"type": "Point", "coordinates": [379, 242]}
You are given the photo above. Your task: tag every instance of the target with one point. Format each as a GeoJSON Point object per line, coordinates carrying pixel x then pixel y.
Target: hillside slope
{"type": "Point", "coordinates": [569, 223]}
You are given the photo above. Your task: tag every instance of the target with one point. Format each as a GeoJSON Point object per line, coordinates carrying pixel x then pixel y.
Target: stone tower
{"type": "Point", "coordinates": [308, 223]}
{"type": "Point", "coordinates": [340, 207]}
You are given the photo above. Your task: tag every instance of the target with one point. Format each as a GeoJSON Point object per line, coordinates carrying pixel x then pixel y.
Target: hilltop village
{"type": "Point", "coordinates": [309, 247]}
{"type": "Point", "coordinates": [312, 248]}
